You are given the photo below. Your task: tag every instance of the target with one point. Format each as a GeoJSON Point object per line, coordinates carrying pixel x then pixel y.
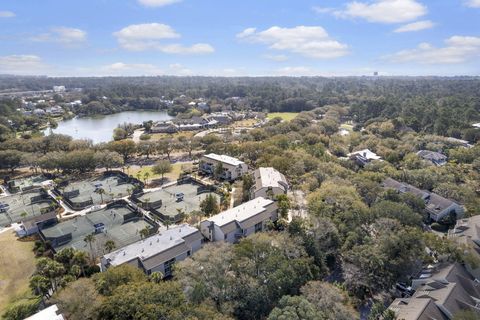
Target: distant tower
{"type": "Point", "coordinates": [375, 74]}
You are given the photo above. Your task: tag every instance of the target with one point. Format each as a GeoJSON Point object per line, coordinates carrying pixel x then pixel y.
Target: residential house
{"type": "Point", "coordinates": [55, 110]}
{"type": "Point", "coordinates": [467, 233]}
{"type": "Point", "coordinates": [223, 118]}
{"type": "Point", "coordinates": [460, 142]}
{"type": "Point", "coordinates": [363, 157]}
{"type": "Point", "coordinates": [436, 206]}
{"type": "Point", "coordinates": [436, 158]}
{"type": "Point", "coordinates": [241, 221]}
{"type": "Point", "coordinates": [159, 252]}
{"type": "Point", "coordinates": [164, 127]}
{"type": "Point", "coordinates": [268, 182]}
{"type": "Point", "coordinates": [39, 112]}
{"type": "Point", "coordinates": [440, 293]}
{"type": "Point", "coordinates": [232, 167]}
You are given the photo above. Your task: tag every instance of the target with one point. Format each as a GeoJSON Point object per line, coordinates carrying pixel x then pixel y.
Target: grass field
{"type": "Point", "coordinates": [176, 169]}
{"type": "Point", "coordinates": [17, 264]}
{"type": "Point", "coordinates": [287, 116]}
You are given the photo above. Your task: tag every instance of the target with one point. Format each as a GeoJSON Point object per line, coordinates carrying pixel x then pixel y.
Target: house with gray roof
{"type": "Point", "coordinates": [159, 252]}
{"type": "Point", "coordinates": [364, 157]}
{"type": "Point", "coordinates": [440, 293]}
{"type": "Point", "coordinates": [435, 158]}
{"type": "Point", "coordinates": [241, 221]}
{"type": "Point", "coordinates": [436, 206]}
{"type": "Point", "coordinates": [467, 233]}
{"type": "Point", "coordinates": [268, 182]}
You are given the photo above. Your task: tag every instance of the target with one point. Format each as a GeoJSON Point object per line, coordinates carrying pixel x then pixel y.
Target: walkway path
{"type": "Point", "coordinates": [136, 135]}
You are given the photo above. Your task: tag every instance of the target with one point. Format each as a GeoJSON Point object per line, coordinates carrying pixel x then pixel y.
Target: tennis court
{"type": "Point", "coordinates": [82, 194]}
{"type": "Point", "coordinates": [21, 206]}
{"type": "Point", "coordinates": [121, 224]}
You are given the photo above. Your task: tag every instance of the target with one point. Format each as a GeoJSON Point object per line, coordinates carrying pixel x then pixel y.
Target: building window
{"type": "Point", "coordinates": [188, 253]}
{"type": "Point", "coordinates": [225, 236]}
{"type": "Point", "coordinates": [259, 227]}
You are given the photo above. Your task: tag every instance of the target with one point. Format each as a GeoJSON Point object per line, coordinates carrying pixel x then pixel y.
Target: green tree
{"type": "Point", "coordinates": [156, 277]}
{"type": "Point", "coordinates": [21, 310]}
{"type": "Point", "coordinates": [107, 282]}
{"type": "Point", "coordinates": [209, 205]}
{"type": "Point", "coordinates": [79, 300]}
{"type": "Point", "coordinates": [162, 167]}
{"type": "Point", "coordinates": [109, 245]}
{"type": "Point", "coordinates": [126, 148]}
{"type": "Point", "coordinates": [294, 308]}
{"type": "Point", "coordinates": [90, 239]}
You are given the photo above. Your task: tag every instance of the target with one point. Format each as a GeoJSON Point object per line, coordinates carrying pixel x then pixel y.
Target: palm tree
{"type": "Point", "coordinates": [145, 176]}
{"type": "Point", "coordinates": [80, 259]}
{"type": "Point", "coordinates": [110, 245]}
{"type": "Point", "coordinates": [156, 277]}
{"type": "Point", "coordinates": [90, 239]}
{"type": "Point", "coordinates": [145, 232]}
{"type": "Point", "coordinates": [101, 192]}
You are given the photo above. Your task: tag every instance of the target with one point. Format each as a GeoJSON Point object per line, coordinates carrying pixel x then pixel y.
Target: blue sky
{"type": "Point", "coordinates": [237, 38]}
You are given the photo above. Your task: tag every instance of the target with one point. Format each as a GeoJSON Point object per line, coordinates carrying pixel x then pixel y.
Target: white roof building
{"type": "Point", "coordinates": [224, 159]}
{"type": "Point", "coordinates": [366, 153]}
{"type": "Point", "coordinates": [268, 179]}
{"type": "Point", "coordinates": [241, 221]}
{"type": "Point", "coordinates": [49, 313]}
{"type": "Point", "coordinates": [151, 254]}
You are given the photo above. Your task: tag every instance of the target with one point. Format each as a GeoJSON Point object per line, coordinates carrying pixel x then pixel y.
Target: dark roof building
{"type": "Point", "coordinates": [436, 158]}
{"type": "Point", "coordinates": [440, 293]}
{"type": "Point", "coordinates": [436, 206]}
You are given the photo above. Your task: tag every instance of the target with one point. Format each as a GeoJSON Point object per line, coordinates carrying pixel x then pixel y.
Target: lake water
{"type": "Point", "coordinates": [100, 129]}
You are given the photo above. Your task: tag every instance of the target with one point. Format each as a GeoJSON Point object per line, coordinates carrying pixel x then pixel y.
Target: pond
{"type": "Point", "coordinates": [100, 128]}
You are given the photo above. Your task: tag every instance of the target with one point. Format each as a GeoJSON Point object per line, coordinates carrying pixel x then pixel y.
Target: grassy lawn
{"type": "Point", "coordinates": [243, 123]}
{"type": "Point", "coordinates": [286, 116]}
{"type": "Point", "coordinates": [176, 169]}
{"type": "Point", "coordinates": [17, 264]}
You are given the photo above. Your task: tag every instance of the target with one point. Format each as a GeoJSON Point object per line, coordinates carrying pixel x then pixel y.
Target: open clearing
{"type": "Point", "coordinates": [17, 264]}
{"type": "Point", "coordinates": [139, 173]}
{"type": "Point", "coordinates": [286, 116]}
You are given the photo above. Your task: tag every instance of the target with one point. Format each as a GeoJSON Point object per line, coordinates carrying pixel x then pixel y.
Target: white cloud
{"type": "Point", "coordinates": [313, 42]}
{"type": "Point", "coordinates": [63, 35]}
{"type": "Point", "coordinates": [323, 10]}
{"type": "Point", "coordinates": [295, 71]}
{"type": "Point", "coordinates": [384, 11]}
{"type": "Point", "coordinates": [7, 14]}
{"type": "Point", "coordinates": [157, 3]}
{"type": "Point", "coordinates": [473, 3]}
{"type": "Point", "coordinates": [278, 57]}
{"type": "Point", "coordinates": [125, 69]}
{"type": "Point", "coordinates": [415, 26]}
{"type": "Point", "coordinates": [150, 36]}
{"type": "Point", "coordinates": [21, 65]}
{"type": "Point", "coordinates": [457, 49]}
{"type": "Point", "coordinates": [179, 70]}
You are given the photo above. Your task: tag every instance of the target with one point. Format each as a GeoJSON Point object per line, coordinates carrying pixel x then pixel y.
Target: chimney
{"type": "Point", "coordinates": [365, 154]}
